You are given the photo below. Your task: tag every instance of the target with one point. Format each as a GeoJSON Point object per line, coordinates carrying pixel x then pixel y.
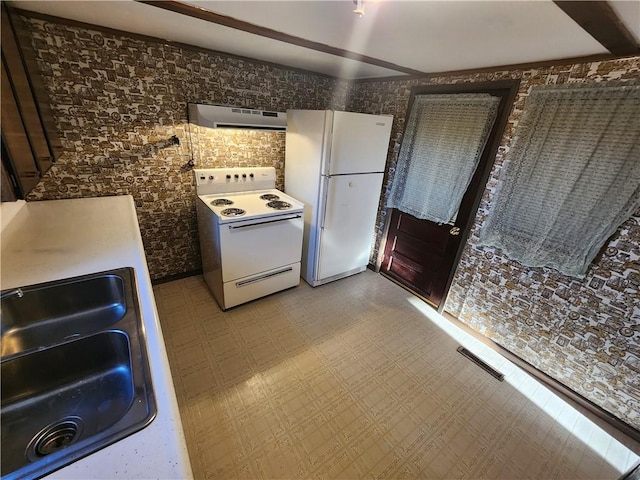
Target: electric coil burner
{"type": "Point", "coordinates": [232, 212]}
{"type": "Point", "coordinates": [279, 205]}
{"type": "Point", "coordinates": [254, 248]}
{"type": "Point", "coordinates": [221, 202]}
{"type": "Point", "coordinates": [269, 196]}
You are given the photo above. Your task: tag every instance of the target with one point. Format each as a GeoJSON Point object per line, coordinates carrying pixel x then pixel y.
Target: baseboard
{"type": "Point", "coordinates": [177, 276]}
{"type": "Point", "coordinates": [633, 474]}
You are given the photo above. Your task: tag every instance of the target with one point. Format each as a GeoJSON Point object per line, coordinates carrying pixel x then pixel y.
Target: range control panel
{"type": "Point", "coordinates": [236, 179]}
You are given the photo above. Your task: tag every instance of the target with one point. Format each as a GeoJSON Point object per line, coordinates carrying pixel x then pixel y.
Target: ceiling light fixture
{"type": "Point", "coordinates": [359, 7]}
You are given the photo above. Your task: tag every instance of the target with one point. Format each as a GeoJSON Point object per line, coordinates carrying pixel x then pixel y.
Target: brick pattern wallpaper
{"type": "Point", "coordinates": [118, 100]}
{"type": "Point", "coordinates": [239, 148]}
{"type": "Point", "coordinates": [584, 333]}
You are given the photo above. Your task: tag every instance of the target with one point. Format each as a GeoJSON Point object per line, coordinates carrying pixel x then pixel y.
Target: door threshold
{"type": "Point", "coordinates": [410, 290]}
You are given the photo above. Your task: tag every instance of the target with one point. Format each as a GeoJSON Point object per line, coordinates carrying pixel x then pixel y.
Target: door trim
{"type": "Point", "coordinates": [507, 90]}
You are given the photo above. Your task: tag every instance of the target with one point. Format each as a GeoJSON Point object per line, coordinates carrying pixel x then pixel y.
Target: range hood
{"type": "Point", "coordinates": [216, 116]}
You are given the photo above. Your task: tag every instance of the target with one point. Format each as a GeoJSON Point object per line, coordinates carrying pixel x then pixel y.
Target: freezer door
{"type": "Point", "coordinates": [349, 221]}
{"type": "Point", "coordinates": [359, 143]}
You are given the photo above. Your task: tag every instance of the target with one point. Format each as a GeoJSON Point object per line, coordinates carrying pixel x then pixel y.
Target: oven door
{"type": "Point", "coordinates": [255, 246]}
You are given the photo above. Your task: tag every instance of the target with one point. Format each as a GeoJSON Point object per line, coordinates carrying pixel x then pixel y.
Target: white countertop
{"type": "Point", "coordinates": [52, 240]}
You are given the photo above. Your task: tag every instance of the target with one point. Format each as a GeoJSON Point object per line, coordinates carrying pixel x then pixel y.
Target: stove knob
{"type": "Point", "coordinates": [228, 177]}
{"type": "Point", "coordinates": [244, 175]}
{"type": "Point", "coordinates": [210, 177]}
{"type": "Point", "coordinates": [202, 177]}
{"type": "Point", "coordinates": [237, 176]}
{"type": "Point", "coordinates": [251, 175]}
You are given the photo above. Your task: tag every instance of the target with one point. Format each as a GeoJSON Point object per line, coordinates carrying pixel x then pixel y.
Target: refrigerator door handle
{"type": "Point", "coordinates": [325, 197]}
{"type": "Point", "coordinates": [327, 142]}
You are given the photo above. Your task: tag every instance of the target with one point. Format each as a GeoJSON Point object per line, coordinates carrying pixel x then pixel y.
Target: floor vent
{"type": "Point", "coordinates": [481, 364]}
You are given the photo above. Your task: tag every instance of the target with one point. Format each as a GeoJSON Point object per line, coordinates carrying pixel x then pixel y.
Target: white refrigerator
{"type": "Point", "coordinates": [334, 164]}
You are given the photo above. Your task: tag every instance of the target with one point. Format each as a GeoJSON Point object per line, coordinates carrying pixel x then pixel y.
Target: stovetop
{"type": "Point", "coordinates": [241, 206]}
{"type": "Point", "coordinates": [234, 194]}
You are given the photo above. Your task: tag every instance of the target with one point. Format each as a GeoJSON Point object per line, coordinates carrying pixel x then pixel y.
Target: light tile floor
{"type": "Point", "coordinates": [359, 379]}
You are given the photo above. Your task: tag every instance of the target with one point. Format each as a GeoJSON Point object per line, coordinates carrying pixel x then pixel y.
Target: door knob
{"type": "Point", "coordinates": [454, 231]}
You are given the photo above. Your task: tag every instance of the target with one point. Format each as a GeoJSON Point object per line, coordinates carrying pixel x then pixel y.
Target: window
{"type": "Point", "coordinates": [571, 178]}
{"type": "Point", "coordinates": [443, 141]}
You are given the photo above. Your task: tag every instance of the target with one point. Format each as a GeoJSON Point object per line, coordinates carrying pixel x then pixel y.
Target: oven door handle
{"type": "Point", "coordinates": [235, 227]}
{"type": "Point", "coordinates": [263, 277]}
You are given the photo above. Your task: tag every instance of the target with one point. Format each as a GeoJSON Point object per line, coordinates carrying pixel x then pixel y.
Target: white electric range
{"type": "Point", "coordinates": [250, 233]}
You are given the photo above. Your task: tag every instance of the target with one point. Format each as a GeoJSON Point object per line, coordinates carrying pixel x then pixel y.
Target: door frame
{"type": "Point", "coordinates": [507, 90]}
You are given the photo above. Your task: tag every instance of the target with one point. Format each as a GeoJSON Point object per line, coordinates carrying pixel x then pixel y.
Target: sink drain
{"type": "Point", "coordinates": [54, 437]}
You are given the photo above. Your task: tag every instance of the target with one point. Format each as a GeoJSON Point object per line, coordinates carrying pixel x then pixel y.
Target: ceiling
{"type": "Point", "coordinates": [392, 38]}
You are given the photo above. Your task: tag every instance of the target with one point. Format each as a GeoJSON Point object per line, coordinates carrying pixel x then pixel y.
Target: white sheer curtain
{"type": "Point", "coordinates": [442, 145]}
{"type": "Point", "coordinates": [571, 178]}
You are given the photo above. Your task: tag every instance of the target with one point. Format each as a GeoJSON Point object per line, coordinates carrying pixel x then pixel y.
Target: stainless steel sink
{"type": "Point", "coordinates": [50, 312]}
{"type": "Point", "coordinates": [74, 369]}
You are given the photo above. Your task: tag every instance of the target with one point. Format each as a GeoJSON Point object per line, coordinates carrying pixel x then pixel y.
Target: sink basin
{"type": "Point", "coordinates": [75, 374]}
{"type": "Point", "coordinates": [50, 312]}
{"type": "Point", "coordinates": [74, 391]}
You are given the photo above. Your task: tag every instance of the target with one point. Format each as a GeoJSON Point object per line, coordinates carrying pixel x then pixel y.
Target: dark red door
{"type": "Point", "coordinates": [422, 255]}
{"type": "Point", "coordinates": [418, 254]}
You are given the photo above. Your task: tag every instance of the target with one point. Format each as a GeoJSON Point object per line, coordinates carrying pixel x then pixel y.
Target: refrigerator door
{"type": "Point", "coordinates": [307, 142]}
{"type": "Point", "coordinates": [348, 224]}
{"type": "Point", "coordinates": [359, 143]}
